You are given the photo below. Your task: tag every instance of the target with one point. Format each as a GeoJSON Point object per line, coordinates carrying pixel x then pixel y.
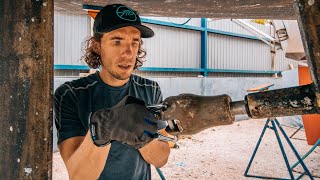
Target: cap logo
{"type": "Point", "coordinates": [126, 13]}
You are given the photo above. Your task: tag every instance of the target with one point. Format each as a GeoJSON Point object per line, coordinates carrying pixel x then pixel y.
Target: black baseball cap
{"type": "Point", "coordinates": [116, 16]}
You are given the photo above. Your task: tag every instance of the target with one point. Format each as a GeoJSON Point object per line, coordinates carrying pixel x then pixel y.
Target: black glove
{"type": "Point", "coordinates": [129, 122]}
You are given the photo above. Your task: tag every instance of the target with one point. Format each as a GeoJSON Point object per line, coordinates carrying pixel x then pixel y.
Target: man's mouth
{"type": "Point", "coordinates": [124, 67]}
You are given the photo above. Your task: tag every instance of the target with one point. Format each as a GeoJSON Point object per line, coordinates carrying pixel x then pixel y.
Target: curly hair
{"type": "Point", "coordinates": [93, 59]}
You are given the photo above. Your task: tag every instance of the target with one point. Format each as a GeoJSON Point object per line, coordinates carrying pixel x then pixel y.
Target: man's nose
{"type": "Point", "coordinates": [128, 51]}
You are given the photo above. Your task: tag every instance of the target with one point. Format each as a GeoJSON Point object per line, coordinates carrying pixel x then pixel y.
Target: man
{"type": "Point", "coordinates": [116, 49]}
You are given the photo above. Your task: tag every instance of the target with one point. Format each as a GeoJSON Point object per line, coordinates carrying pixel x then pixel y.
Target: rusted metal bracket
{"type": "Point", "coordinates": [308, 13]}
{"type": "Point", "coordinates": [26, 76]}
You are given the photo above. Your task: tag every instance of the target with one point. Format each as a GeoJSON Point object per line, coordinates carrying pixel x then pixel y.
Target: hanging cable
{"type": "Point", "coordinates": [181, 23]}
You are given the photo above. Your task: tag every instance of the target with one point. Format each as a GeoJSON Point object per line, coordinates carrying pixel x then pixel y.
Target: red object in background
{"type": "Point", "coordinates": [311, 122]}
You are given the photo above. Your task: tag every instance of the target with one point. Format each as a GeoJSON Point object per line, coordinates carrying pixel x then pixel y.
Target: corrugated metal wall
{"type": "Point", "coordinates": [70, 30]}
{"type": "Point", "coordinates": [225, 52]}
{"type": "Point", "coordinates": [69, 73]}
{"type": "Point", "coordinates": [217, 75]}
{"type": "Point", "coordinates": [281, 62]}
{"type": "Point", "coordinates": [166, 74]}
{"type": "Point", "coordinates": [244, 53]}
{"type": "Point", "coordinates": [175, 47]}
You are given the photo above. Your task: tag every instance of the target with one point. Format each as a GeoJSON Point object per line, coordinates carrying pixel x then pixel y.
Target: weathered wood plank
{"type": "Point", "coordinates": [235, 9]}
{"type": "Point", "coordinates": [26, 63]}
{"type": "Point", "coordinates": [308, 13]}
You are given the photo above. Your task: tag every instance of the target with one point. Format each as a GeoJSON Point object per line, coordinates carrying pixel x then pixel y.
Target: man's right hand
{"type": "Point", "coordinates": [129, 122]}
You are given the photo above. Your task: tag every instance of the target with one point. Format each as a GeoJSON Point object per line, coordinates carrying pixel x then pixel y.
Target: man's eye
{"type": "Point", "coordinates": [116, 42]}
{"type": "Point", "coordinates": [135, 44]}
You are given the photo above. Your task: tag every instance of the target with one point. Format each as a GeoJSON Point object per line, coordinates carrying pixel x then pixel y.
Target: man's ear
{"type": "Point", "coordinates": [96, 46]}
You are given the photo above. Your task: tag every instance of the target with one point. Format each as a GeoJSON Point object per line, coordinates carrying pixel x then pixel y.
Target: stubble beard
{"type": "Point", "coordinates": [120, 76]}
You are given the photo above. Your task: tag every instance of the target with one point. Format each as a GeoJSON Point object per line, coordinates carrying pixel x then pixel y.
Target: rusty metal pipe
{"type": "Point", "coordinates": [190, 114]}
{"type": "Point", "coordinates": [282, 102]}
{"type": "Point", "coordinates": [238, 108]}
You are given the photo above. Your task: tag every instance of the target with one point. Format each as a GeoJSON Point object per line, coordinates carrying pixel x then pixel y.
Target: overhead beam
{"type": "Point", "coordinates": [26, 84]}
{"type": "Point", "coordinates": [226, 9]}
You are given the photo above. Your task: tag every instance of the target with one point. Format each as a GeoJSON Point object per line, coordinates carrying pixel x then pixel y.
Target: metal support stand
{"type": "Point", "coordinates": [307, 154]}
{"type": "Point", "coordinates": [291, 137]}
{"type": "Point", "coordinates": [160, 174]}
{"type": "Point", "coordinates": [274, 125]}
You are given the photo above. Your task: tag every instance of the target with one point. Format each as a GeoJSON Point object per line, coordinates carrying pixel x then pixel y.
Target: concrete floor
{"type": "Point", "coordinates": [224, 152]}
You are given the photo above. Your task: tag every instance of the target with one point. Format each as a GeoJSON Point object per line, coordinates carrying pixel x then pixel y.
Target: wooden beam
{"type": "Point", "coordinates": [26, 87]}
{"type": "Point", "coordinates": [224, 9]}
{"type": "Point", "coordinates": [308, 13]}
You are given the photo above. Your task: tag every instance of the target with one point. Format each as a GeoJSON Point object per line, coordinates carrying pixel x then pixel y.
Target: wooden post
{"type": "Point", "coordinates": [26, 87]}
{"type": "Point", "coordinates": [308, 12]}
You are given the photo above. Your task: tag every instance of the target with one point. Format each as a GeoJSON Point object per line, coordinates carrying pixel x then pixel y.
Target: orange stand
{"type": "Point", "coordinates": [311, 122]}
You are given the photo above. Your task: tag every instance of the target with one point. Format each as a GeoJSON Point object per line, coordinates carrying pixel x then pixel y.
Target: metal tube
{"type": "Point", "coordinates": [238, 108]}
{"type": "Point", "coordinates": [193, 113]}
{"type": "Point", "coordinates": [282, 102]}
{"type": "Point", "coordinates": [293, 149]}
{"type": "Point", "coordinates": [256, 149]}
{"type": "Point", "coordinates": [26, 76]}
{"type": "Point", "coordinates": [284, 155]}
{"type": "Point", "coordinates": [307, 154]}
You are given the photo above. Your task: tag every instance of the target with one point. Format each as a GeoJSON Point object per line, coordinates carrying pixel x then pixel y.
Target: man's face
{"type": "Point", "coordinates": [118, 51]}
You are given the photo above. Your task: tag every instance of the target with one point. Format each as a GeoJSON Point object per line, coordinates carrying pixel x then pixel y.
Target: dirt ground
{"type": "Point", "coordinates": [224, 153]}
